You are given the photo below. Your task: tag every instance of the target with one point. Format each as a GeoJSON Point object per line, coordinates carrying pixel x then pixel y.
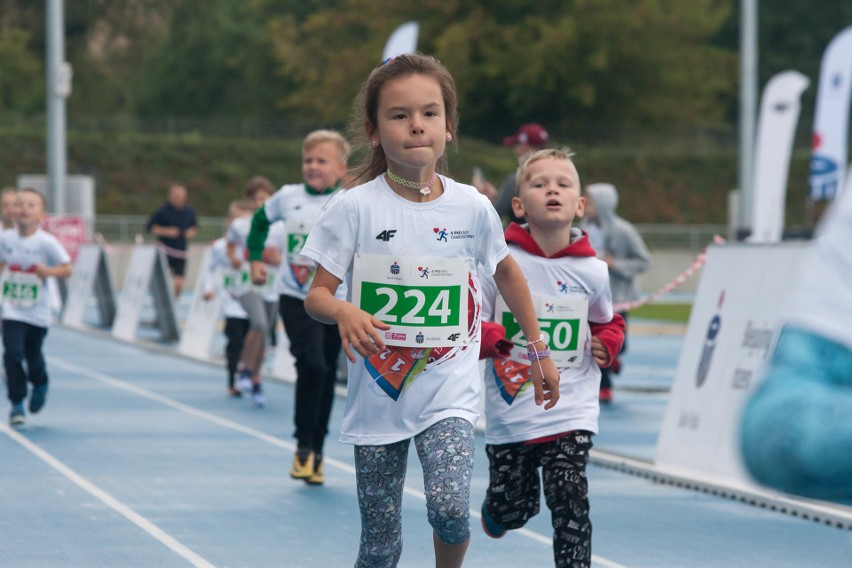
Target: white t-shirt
{"type": "Point", "coordinates": [220, 279]}
{"type": "Point", "coordinates": [822, 299]}
{"type": "Point", "coordinates": [299, 208]}
{"type": "Point", "coordinates": [400, 392]}
{"type": "Point", "coordinates": [510, 409]}
{"type": "Point", "coordinates": [25, 295]}
{"type": "Point", "coordinates": [237, 234]}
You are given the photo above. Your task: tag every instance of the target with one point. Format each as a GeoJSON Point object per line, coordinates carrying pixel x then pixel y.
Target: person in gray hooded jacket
{"type": "Point", "coordinates": [617, 242]}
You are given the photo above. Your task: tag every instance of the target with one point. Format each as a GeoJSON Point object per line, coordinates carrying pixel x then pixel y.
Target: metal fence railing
{"type": "Point", "coordinates": [682, 237]}
{"type": "Point", "coordinates": [124, 228]}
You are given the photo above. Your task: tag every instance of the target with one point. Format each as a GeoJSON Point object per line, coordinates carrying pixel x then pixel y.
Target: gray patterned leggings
{"type": "Point", "coordinates": [445, 450]}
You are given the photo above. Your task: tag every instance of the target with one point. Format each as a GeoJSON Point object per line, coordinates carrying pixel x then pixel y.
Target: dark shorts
{"type": "Point", "coordinates": [176, 265]}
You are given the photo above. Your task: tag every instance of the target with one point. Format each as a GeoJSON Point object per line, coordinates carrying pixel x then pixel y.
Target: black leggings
{"type": "Point", "coordinates": [235, 332]}
{"type": "Point", "coordinates": [22, 343]}
{"type": "Point", "coordinates": [512, 497]}
{"type": "Point", "coordinates": [315, 346]}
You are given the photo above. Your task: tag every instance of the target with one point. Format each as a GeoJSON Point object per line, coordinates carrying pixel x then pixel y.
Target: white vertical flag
{"type": "Point", "coordinates": [402, 40]}
{"type": "Point", "coordinates": [831, 120]}
{"type": "Point", "coordinates": [779, 114]}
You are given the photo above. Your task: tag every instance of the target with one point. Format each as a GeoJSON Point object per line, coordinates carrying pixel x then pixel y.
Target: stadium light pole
{"type": "Point", "coordinates": [58, 88]}
{"type": "Point", "coordinates": [748, 105]}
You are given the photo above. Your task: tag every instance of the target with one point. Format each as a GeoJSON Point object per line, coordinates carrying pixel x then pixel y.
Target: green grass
{"type": "Point", "coordinates": [676, 313]}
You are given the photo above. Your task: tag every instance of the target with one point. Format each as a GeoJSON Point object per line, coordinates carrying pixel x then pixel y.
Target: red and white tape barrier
{"type": "Point", "coordinates": [680, 279]}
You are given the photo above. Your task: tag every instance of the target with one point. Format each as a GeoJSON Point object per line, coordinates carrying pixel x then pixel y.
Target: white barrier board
{"type": "Point", "coordinates": [202, 321]}
{"type": "Point", "coordinates": [90, 276]}
{"type": "Point", "coordinates": [731, 333]}
{"type": "Point", "coordinates": [146, 273]}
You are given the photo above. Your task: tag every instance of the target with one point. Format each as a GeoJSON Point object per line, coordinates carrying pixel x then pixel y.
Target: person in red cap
{"type": "Point", "coordinates": [529, 137]}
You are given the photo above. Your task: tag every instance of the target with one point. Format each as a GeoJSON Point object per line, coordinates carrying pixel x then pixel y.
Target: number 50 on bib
{"type": "Point", "coordinates": [563, 323]}
{"type": "Point", "coordinates": [424, 300]}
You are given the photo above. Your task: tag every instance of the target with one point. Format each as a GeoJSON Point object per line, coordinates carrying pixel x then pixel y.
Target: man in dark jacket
{"type": "Point", "coordinates": [173, 224]}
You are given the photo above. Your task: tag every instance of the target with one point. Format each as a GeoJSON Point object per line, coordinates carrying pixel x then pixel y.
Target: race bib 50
{"type": "Point", "coordinates": [563, 323]}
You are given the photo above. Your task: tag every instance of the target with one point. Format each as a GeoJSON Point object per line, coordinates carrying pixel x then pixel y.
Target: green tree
{"type": "Point", "coordinates": [107, 42]}
{"type": "Point", "coordinates": [214, 61]}
{"type": "Point", "coordinates": [21, 73]}
{"type": "Point", "coordinates": [573, 63]}
{"type": "Point", "coordinates": [791, 35]}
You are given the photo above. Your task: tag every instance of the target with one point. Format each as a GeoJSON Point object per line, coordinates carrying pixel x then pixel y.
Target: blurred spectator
{"type": "Point", "coordinates": [620, 245]}
{"type": "Point", "coordinates": [529, 137]}
{"type": "Point", "coordinates": [173, 224]}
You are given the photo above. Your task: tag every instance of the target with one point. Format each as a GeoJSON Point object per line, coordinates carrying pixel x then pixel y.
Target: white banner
{"type": "Point", "coordinates": [402, 40]}
{"type": "Point", "coordinates": [779, 114]}
{"type": "Point", "coordinates": [90, 277]}
{"type": "Point", "coordinates": [731, 331]}
{"type": "Point", "coordinates": [147, 275]}
{"type": "Point", "coordinates": [831, 119]}
{"type": "Point", "coordinates": [202, 322]}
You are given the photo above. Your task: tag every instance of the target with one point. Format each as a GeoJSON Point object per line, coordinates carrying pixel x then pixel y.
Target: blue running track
{"type": "Point", "coordinates": [140, 460]}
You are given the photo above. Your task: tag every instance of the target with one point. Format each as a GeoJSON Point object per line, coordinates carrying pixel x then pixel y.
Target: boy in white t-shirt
{"type": "Point", "coordinates": [315, 346]}
{"type": "Point", "coordinates": [30, 256]}
{"type": "Point", "coordinates": [571, 291]}
{"type": "Point", "coordinates": [220, 279]}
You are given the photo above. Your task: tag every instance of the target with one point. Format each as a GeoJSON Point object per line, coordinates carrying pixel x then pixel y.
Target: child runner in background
{"type": "Point", "coordinates": [620, 245]}
{"type": "Point", "coordinates": [411, 246]}
{"type": "Point", "coordinates": [220, 280]}
{"type": "Point", "coordinates": [570, 288]}
{"type": "Point", "coordinates": [31, 256]}
{"type": "Point", "coordinates": [314, 345]}
{"type": "Point", "coordinates": [259, 301]}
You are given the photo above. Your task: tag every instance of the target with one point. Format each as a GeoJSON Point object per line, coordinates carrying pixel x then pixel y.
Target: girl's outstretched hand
{"type": "Point", "coordinates": [359, 332]}
{"type": "Point", "coordinates": [545, 379]}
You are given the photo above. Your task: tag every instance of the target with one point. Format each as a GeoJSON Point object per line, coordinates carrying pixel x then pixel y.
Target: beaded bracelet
{"type": "Point", "coordinates": [538, 355]}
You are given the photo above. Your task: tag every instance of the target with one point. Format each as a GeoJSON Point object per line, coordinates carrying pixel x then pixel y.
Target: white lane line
{"type": "Point", "coordinates": [275, 441]}
{"type": "Point", "coordinates": [108, 500]}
